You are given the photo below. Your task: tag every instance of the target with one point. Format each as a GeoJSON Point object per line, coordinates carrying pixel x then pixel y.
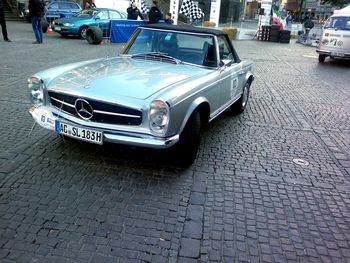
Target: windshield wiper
{"type": "Point", "coordinates": [157, 54]}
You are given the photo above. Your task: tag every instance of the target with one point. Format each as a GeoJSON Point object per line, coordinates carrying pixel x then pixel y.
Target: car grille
{"type": "Point", "coordinates": [103, 112]}
{"type": "Point", "coordinates": [58, 23]}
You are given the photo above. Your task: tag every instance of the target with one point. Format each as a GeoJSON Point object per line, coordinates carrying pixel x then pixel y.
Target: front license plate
{"type": "Point", "coordinates": [79, 133]}
{"type": "Point", "coordinates": [57, 28]}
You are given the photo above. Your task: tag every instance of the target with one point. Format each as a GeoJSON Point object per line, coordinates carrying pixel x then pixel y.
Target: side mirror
{"type": "Point", "coordinates": [225, 62]}
{"type": "Point", "coordinates": [97, 18]}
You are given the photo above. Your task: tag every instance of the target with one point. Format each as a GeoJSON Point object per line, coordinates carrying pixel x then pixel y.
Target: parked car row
{"type": "Point", "coordinates": [78, 24]}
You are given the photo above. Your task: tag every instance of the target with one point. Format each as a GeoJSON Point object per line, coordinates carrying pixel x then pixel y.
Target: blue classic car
{"type": "Point", "coordinates": [166, 84]}
{"type": "Point", "coordinates": [79, 23]}
{"type": "Point", "coordinates": [58, 9]}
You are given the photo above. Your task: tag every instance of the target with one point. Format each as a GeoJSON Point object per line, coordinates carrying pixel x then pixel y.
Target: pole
{"type": "Point", "coordinates": [174, 10]}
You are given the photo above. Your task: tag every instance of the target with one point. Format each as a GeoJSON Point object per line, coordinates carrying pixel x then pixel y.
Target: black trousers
{"type": "Point", "coordinates": [3, 24]}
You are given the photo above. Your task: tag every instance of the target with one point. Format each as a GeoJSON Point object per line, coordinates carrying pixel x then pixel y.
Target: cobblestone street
{"type": "Point", "coordinates": [246, 198]}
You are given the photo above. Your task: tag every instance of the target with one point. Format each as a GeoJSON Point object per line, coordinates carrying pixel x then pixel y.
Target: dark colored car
{"type": "Point", "coordinates": [59, 9]}
{"type": "Point", "coordinates": [79, 23]}
{"type": "Point", "coordinates": [54, 10]}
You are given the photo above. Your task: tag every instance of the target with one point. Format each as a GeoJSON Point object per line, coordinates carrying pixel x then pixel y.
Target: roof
{"type": "Point", "coordinates": [186, 28]}
{"type": "Point", "coordinates": [344, 11]}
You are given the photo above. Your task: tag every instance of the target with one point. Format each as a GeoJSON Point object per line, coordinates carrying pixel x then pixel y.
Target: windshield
{"type": "Point", "coordinates": [196, 49]}
{"type": "Point", "coordinates": [338, 23]}
{"type": "Point", "coordinates": [86, 13]}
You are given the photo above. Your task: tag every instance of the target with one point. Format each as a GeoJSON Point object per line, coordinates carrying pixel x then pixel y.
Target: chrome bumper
{"type": "Point", "coordinates": [333, 53]}
{"type": "Point", "coordinates": [44, 117]}
{"type": "Point", "coordinates": [149, 142]}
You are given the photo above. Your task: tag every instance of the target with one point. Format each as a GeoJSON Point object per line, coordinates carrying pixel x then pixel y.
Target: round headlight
{"type": "Point", "coordinates": [36, 91]}
{"type": "Point", "coordinates": [158, 117]}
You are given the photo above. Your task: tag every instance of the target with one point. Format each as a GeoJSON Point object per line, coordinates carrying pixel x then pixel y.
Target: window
{"type": "Point", "coordinates": [53, 6]}
{"type": "Point", "coordinates": [225, 51]}
{"type": "Point", "coordinates": [64, 5]}
{"type": "Point", "coordinates": [191, 48]}
{"type": "Point", "coordinates": [338, 23]}
{"type": "Point", "coordinates": [73, 6]}
{"type": "Point", "coordinates": [103, 15]}
{"type": "Point", "coordinates": [114, 15]}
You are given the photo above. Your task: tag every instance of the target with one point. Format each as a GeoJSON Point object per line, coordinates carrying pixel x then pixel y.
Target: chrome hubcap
{"type": "Point", "coordinates": [245, 95]}
{"type": "Point", "coordinates": [83, 33]}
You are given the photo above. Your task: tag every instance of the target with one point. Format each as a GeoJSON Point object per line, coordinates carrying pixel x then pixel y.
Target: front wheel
{"type": "Point", "coordinates": [239, 106]}
{"type": "Point", "coordinates": [321, 58]}
{"type": "Point", "coordinates": [187, 147]}
{"type": "Point", "coordinates": [82, 32]}
{"type": "Point", "coordinates": [94, 35]}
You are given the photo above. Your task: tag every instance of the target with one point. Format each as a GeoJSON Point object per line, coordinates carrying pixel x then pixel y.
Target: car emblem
{"type": "Point", "coordinates": [84, 109]}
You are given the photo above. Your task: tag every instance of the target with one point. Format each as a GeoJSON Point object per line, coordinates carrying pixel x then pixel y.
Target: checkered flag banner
{"type": "Point", "coordinates": [144, 8]}
{"type": "Point", "coordinates": [191, 10]}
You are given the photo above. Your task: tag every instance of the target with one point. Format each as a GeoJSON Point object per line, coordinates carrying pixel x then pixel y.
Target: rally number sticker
{"type": "Point", "coordinates": [234, 86]}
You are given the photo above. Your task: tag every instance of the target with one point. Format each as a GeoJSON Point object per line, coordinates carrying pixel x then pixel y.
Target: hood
{"type": "Point", "coordinates": [123, 76]}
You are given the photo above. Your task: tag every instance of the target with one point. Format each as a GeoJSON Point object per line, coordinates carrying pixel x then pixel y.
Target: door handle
{"type": "Point", "coordinates": [241, 73]}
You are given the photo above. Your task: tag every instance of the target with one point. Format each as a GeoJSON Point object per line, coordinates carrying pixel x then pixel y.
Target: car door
{"type": "Point", "coordinates": [102, 20]}
{"type": "Point", "coordinates": [230, 69]}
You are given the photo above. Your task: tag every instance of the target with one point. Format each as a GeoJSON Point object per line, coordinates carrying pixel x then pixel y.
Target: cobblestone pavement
{"type": "Point", "coordinates": [243, 200]}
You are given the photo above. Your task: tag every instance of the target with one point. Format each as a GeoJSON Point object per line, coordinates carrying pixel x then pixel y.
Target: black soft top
{"type": "Point", "coordinates": [186, 28]}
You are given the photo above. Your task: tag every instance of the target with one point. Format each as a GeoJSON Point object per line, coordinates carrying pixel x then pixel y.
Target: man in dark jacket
{"type": "Point", "coordinates": [36, 12]}
{"type": "Point", "coordinates": [167, 19]}
{"type": "Point", "coordinates": [3, 22]}
{"type": "Point", "coordinates": [154, 14]}
{"type": "Point", "coordinates": [134, 12]}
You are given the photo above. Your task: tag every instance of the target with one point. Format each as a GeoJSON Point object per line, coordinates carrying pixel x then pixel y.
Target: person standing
{"type": "Point", "coordinates": [3, 22]}
{"type": "Point", "coordinates": [154, 14]}
{"type": "Point", "coordinates": [36, 12]}
{"type": "Point", "coordinates": [167, 19]}
{"type": "Point", "coordinates": [134, 12]}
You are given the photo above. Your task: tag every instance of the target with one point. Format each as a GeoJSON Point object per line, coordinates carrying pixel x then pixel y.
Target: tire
{"type": "Point", "coordinates": [82, 32]}
{"type": "Point", "coordinates": [94, 35]}
{"type": "Point", "coordinates": [274, 34]}
{"type": "Point", "coordinates": [44, 25]}
{"type": "Point", "coordinates": [187, 147]}
{"type": "Point", "coordinates": [321, 58]}
{"type": "Point", "coordinates": [274, 39]}
{"type": "Point", "coordinates": [275, 27]}
{"type": "Point", "coordinates": [285, 32]}
{"type": "Point", "coordinates": [239, 106]}
{"type": "Point", "coordinates": [285, 41]}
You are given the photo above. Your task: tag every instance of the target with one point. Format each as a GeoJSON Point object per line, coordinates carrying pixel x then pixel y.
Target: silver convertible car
{"type": "Point", "coordinates": [165, 85]}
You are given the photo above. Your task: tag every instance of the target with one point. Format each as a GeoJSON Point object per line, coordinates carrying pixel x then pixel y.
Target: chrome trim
{"type": "Point", "coordinates": [223, 108]}
{"type": "Point", "coordinates": [70, 93]}
{"type": "Point", "coordinates": [62, 102]}
{"type": "Point", "coordinates": [151, 142]}
{"type": "Point", "coordinates": [116, 114]}
{"type": "Point", "coordinates": [83, 107]}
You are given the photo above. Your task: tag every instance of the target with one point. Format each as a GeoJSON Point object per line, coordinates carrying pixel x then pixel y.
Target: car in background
{"type": "Point", "coordinates": [335, 36]}
{"type": "Point", "coordinates": [80, 22]}
{"type": "Point", "coordinates": [59, 9]}
{"type": "Point", "coordinates": [167, 83]}
{"type": "Point", "coordinates": [54, 10]}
